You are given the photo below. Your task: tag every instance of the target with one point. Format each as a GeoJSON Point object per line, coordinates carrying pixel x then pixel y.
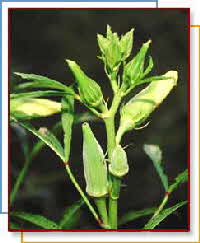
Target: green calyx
{"type": "Point", "coordinates": [138, 109]}
{"type": "Point", "coordinates": [118, 165]}
{"type": "Point", "coordinates": [90, 91]}
{"type": "Point", "coordinates": [134, 70]}
{"type": "Point", "coordinates": [95, 169]}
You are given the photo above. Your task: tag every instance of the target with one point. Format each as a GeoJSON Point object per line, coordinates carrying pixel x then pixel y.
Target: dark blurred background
{"type": "Point", "coordinates": [40, 42]}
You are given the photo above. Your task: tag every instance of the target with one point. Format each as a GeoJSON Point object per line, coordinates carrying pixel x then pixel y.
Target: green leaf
{"type": "Point", "coordinates": [134, 69]}
{"type": "Point", "coordinates": [155, 154]}
{"type": "Point", "coordinates": [151, 79]}
{"type": "Point", "coordinates": [39, 93]}
{"type": "Point", "coordinates": [41, 82]}
{"type": "Point", "coordinates": [149, 67]}
{"type": "Point", "coordinates": [46, 136]}
{"type": "Point", "coordinates": [162, 215]}
{"type": "Point", "coordinates": [40, 144]}
{"type": "Point", "coordinates": [126, 44]}
{"type": "Point", "coordinates": [69, 215]}
{"type": "Point", "coordinates": [36, 219]}
{"type": "Point", "coordinates": [132, 215]}
{"type": "Point", "coordinates": [14, 226]}
{"type": "Point", "coordinates": [181, 178]}
{"type": "Point", "coordinates": [67, 118]}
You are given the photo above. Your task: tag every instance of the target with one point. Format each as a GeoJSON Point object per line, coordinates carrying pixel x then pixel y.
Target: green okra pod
{"type": "Point", "coordinates": [95, 170]}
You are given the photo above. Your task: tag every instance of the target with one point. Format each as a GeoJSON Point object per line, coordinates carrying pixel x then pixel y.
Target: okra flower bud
{"type": "Point", "coordinates": [144, 103]}
{"type": "Point", "coordinates": [90, 91]}
{"type": "Point", "coordinates": [29, 107]}
{"type": "Point", "coordinates": [118, 165]}
{"type": "Point", "coordinates": [95, 170]}
{"type": "Point", "coordinates": [110, 49]}
{"type": "Point", "coordinates": [134, 69]}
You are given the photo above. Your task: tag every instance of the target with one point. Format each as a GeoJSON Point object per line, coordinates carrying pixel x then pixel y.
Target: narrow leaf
{"type": "Point", "coordinates": [149, 67]}
{"type": "Point", "coordinates": [155, 154]}
{"type": "Point", "coordinates": [132, 215]}
{"type": "Point", "coordinates": [14, 226]}
{"type": "Point", "coordinates": [151, 79]}
{"type": "Point", "coordinates": [47, 137]}
{"type": "Point", "coordinates": [67, 118]}
{"type": "Point", "coordinates": [36, 219]}
{"type": "Point", "coordinates": [39, 93]}
{"type": "Point", "coordinates": [40, 144]}
{"type": "Point", "coordinates": [41, 82]}
{"type": "Point", "coordinates": [181, 178]}
{"type": "Point", "coordinates": [69, 214]}
{"type": "Point", "coordinates": [162, 215]}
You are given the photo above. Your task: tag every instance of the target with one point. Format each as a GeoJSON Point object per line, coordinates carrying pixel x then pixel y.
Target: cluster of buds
{"type": "Point", "coordinates": [115, 50]}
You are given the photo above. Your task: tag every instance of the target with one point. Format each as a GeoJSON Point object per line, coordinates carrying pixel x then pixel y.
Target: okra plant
{"type": "Point", "coordinates": [103, 170]}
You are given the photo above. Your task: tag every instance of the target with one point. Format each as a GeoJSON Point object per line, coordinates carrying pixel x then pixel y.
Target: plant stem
{"type": "Point", "coordinates": [114, 182]}
{"type": "Point", "coordinates": [19, 180]}
{"type": "Point", "coordinates": [111, 143]}
{"type": "Point", "coordinates": [101, 205]}
{"type": "Point", "coordinates": [87, 202]}
{"type": "Point", "coordinates": [110, 130]}
{"type": "Point", "coordinates": [113, 213]}
{"type": "Point", "coordinates": [161, 206]}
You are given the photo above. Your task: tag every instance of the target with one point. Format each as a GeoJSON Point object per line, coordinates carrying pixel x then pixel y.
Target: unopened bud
{"type": "Point", "coordinates": [118, 165]}
{"type": "Point", "coordinates": [134, 69]}
{"type": "Point", "coordinates": [90, 91]}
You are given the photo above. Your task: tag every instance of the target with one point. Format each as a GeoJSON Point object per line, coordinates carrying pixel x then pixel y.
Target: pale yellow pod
{"type": "Point", "coordinates": [30, 107]}
{"type": "Point", "coordinates": [138, 109]}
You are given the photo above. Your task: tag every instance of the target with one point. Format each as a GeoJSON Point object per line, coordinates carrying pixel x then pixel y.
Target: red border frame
{"type": "Point", "coordinates": [188, 124]}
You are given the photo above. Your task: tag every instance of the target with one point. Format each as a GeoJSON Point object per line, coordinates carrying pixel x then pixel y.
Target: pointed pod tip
{"type": "Point", "coordinates": [85, 126]}
{"type": "Point", "coordinates": [172, 75]}
{"type": "Point", "coordinates": [149, 42]}
{"type": "Point", "coordinates": [70, 62]}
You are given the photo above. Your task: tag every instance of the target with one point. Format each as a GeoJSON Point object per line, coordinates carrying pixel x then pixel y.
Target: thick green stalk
{"type": "Point", "coordinates": [113, 213]}
{"type": "Point", "coordinates": [111, 143]}
{"type": "Point", "coordinates": [101, 205]}
{"type": "Point", "coordinates": [110, 129]}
